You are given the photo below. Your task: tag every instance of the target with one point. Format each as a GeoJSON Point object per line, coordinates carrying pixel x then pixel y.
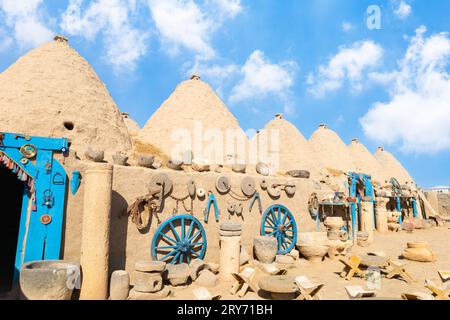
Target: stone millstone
{"type": "Point", "coordinates": [223, 184]}
{"type": "Point", "coordinates": [265, 248]}
{"type": "Point", "coordinates": [248, 186]}
{"type": "Point", "coordinates": [178, 274]}
{"type": "Point", "coordinates": [147, 282]}
{"type": "Point", "coordinates": [150, 266]}
{"type": "Point", "coordinates": [120, 285]}
{"type": "Point", "coordinates": [225, 233]}
{"type": "Point", "coordinates": [135, 295]}
{"type": "Point", "coordinates": [231, 226]}
{"type": "Point", "coordinates": [278, 284]}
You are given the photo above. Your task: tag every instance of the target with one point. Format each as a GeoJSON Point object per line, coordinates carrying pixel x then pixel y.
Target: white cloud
{"type": "Point", "coordinates": [5, 40]}
{"type": "Point", "coordinates": [229, 8]}
{"type": "Point", "coordinates": [262, 78]}
{"type": "Point", "coordinates": [26, 20]}
{"type": "Point", "coordinates": [417, 115]}
{"type": "Point", "coordinates": [349, 64]}
{"type": "Point", "coordinates": [403, 10]}
{"type": "Point", "coordinates": [347, 26]}
{"type": "Point", "coordinates": [124, 43]}
{"type": "Point", "coordinates": [184, 23]}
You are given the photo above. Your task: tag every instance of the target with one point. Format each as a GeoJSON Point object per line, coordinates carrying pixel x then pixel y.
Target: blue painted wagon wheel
{"type": "Point", "coordinates": [279, 222]}
{"type": "Point", "coordinates": [179, 240]}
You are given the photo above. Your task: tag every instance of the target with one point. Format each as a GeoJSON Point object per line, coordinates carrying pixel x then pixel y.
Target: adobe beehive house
{"type": "Point", "coordinates": [194, 119]}
{"type": "Point", "coordinates": [52, 91]}
{"type": "Point", "coordinates": [293, 150]}
{"type": "Point", "coordinates": [365, 162]}
{"type": "Point", "coordinates": [392, 167]}
{"type": "Point", "coordinates": [331, 150]}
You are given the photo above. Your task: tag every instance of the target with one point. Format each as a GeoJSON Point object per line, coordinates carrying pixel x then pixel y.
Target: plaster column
{"type": "Point", "coordinates": [230, 250]}
{"type": "Point", "coordinates": [367, 219]}
{"type": "Point", "coordinates": [381, 215]}
{"type": "Point", "coordinates": [95, 236]}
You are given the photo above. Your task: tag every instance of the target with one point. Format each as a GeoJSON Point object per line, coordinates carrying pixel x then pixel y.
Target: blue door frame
{"type": "Point", "coordinates": [368, 192]}
{"type": "Point", "coordinates": [44, 200]}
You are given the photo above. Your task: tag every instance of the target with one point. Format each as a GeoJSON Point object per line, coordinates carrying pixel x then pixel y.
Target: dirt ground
{"type": "Point", "coordinates": [392, 244]}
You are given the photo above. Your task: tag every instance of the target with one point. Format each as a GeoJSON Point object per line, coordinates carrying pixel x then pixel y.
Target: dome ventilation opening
{"type": "Point", "coordinates": [60, 38]}
{"type": "Point", "coordinates": [69, 125]}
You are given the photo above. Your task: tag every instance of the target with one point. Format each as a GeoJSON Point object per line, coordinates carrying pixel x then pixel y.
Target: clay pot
{"type": "Point", "coordinates": [419, 254]}
{"type": "Point", "coordinates": [120, 159]}
{"type": "Point", "coordinates": [48, 280]}
{"type": "Point", "coordinates": [313, 252]}
{"type": "Point", "coordinates": [145, 161]}
{"type": "Point", "coordinates": [265, 248]}
{"type": "Point", "coordinates": [200, 165]}
{"type": "Point", "coordinates": [94, 155]}
{"type": "Point", "coordinates": [175, 164]}
{"type": "Point", "coordinates": [262, 169]}
{"type": "Point", "coordinates": [239, 168]}
{"type": "Point", "coordinates": [419, 244]}
{"type": "Point", "coordinates": [311, 237]}
{"type": "Point", "coordinates": [334, 223]}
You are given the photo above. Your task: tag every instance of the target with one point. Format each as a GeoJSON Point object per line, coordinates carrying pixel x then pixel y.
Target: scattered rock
{"type": "Point", "coordinates": [120, 285]}
{"type": "Point", "coordinates": [195, 266]}
{"type": "Point", "coordinates": [200, 165]}
{"type": "Point", "coordinates": [393, 226]}
{"type": "Point", "coordinates": [286, 260]}
{"type": "Point", "coordinates": [207, 279]}
{"type": "Point", "coordinates": [177, 274]}
{"type": "Point", "coordinates": [265, 248]}
{"type": "Point", "coordinates": [214, 267]}
{"type": "Point", "coordinates": [262, 169]}
{"type": "Point", "coordinates": [295, 254]}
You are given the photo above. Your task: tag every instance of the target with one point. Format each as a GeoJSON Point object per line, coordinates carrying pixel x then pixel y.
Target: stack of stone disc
{"type": "Point", "coordinates": [230, 229]}
{"type": "Point", "coordinates": [148, 276]}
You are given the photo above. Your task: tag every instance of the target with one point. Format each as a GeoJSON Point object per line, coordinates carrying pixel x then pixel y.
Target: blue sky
{"type": "Point", "coordinates": [315, 61]}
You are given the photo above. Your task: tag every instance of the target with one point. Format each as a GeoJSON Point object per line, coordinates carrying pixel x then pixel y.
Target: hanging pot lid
{"type": "Point", "coordinates": [223, 184]}
{"type": "Point", "coordinates": [264, 184]}
{"type": "Point", "coordinates": [274, 191]}
{"type": "Point", "coordinates": [161, 180]}
{"type": "Point", "coordinates": [239, 209]}
{"type": "Point", "coordinates": [231, 208]}
{"type": "Point", "coordinates": [248, 186]}
{"type": "Point", "coordinates": [290, 188]}
{"type": "Point", "coordinates": [262, 169]}
{"type": "Point", "coordinates": [201, 193]}
{"type": "Point", "coordinates": [191, 188]}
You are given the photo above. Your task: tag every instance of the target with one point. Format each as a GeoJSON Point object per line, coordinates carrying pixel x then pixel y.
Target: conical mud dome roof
{"type": "Point", "coordinates": [294, 151]}
{"type": "Point", "coordinates": [192, 112]}
{"type": "Point", "coordinates": [365, 162]}
{"type": "Point", "coordinates": [53, 91]}
{"type": "Point", "coordinates": [392, 167]}
{"type": "Point", "coordinates": [331, 150]}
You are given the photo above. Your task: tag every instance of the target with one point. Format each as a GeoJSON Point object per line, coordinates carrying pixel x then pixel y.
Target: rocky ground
{"type": "Point", "coordinates": [392, 244]}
